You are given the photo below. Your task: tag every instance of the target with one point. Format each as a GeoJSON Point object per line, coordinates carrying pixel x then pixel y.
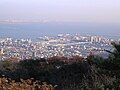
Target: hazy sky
{"type": "Point", "coordinates": [61, 10]}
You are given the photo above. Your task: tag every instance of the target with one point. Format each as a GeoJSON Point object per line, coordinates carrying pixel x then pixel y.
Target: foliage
{"type": "Point", "coordinates": [76, 73]}
{"type": "Point", "coordinates": [29, 84]}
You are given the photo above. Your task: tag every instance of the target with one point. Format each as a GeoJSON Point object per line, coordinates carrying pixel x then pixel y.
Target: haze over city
{"type": "Point", "coordinates": [61, 10]}
{"type": "Point", "coordinates": [59, 44]}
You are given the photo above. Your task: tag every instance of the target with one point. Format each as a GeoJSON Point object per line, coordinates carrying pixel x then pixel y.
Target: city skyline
{"type": "Point", "coordinates": [100, 11]}
{"type": "Point", "coordinates": [66, 45]}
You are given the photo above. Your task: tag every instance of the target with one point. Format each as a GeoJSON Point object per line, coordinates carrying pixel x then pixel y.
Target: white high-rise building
{"type": "Point", "coordinates": [1, 51]}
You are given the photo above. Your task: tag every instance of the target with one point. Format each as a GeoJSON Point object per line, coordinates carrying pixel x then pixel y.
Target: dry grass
{"type": "Point", "coordinates": [29, 84]}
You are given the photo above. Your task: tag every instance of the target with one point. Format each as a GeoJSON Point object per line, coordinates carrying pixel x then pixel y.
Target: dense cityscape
{"type": "Point", "coordinates": [66, 45]}
{"type": "Point", "coordinates": [60, 45]}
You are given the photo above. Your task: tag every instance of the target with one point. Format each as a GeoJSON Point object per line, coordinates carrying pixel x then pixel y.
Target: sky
{"type": "Point", "coordinates": [61, 10]}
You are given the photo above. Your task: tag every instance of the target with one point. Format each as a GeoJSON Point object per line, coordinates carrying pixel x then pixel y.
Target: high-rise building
{"type": "Point", "coordinates": [1, 51]}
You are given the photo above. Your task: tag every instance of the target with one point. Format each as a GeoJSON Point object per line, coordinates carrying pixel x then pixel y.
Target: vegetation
{"type": "Point", "coordinates": [29, 84]}
{"type": "Point", "coordinates": [76, 73]}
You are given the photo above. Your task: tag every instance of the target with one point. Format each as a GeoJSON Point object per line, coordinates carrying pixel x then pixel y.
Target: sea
{"type": "Point", "coordinates": [35, 30]}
